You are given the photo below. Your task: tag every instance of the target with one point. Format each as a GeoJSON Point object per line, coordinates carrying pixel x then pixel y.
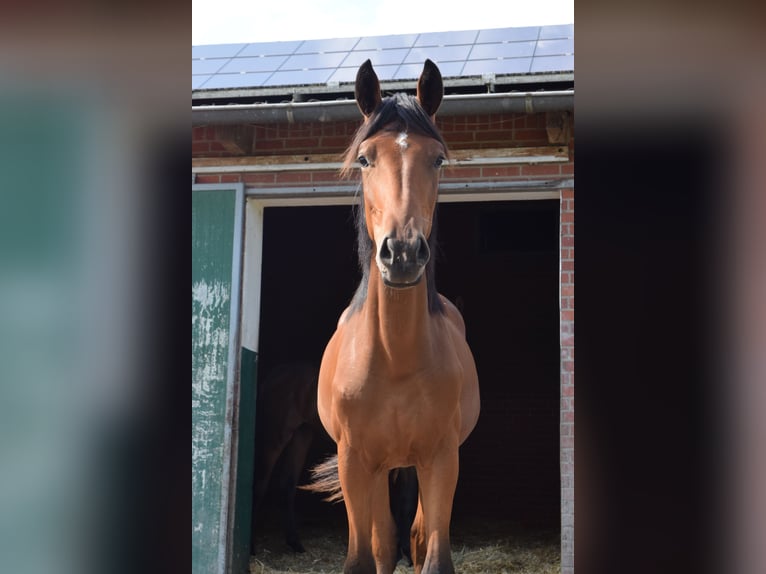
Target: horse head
{"type": "Point", "coordinates": [400, 152]}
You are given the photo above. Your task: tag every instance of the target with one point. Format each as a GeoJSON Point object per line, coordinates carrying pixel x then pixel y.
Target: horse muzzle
{"type": "Point", "coordinates": [402, 262]}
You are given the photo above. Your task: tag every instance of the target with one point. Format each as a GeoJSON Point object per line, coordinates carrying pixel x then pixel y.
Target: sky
{"type": "Point", "coordinates": [246, 21]}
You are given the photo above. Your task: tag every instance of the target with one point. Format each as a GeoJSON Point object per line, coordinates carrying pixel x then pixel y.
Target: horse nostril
{"type": "Point", "coordinates": [386, 254]}
{"type": "Point", "coordinates": [423, 253]}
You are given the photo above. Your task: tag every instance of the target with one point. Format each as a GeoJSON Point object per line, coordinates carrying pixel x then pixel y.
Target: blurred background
{"type": "Point", "coordinates": [671, 202]}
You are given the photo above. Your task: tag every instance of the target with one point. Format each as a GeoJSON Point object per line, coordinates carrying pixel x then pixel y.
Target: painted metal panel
{"type": "Point", "coordinates": [216, 260]}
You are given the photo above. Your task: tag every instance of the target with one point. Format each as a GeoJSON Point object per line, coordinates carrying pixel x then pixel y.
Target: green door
{"type": "Point", "coordinates": [217, 243]}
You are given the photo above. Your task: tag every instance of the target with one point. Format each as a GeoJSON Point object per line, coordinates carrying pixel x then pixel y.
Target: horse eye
{"type": "Point", "coordinates": [363, 161]}
{"type": "Point", "coordinates": [439, 161]}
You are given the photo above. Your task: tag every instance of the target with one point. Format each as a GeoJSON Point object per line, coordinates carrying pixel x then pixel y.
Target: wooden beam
{"type": "Point", "coordinates": [333, 161]}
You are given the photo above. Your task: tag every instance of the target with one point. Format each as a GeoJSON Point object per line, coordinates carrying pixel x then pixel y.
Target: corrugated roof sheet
{"type": "Point", "coordinates": [464, 53]}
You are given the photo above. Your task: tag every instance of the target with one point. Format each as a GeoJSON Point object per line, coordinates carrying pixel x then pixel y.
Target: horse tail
{"type": "Point", "coordinates": [325, 480]}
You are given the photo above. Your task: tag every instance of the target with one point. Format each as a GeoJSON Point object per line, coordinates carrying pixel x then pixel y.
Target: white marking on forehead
{"type": "Point", "coordinates": [402, 140]}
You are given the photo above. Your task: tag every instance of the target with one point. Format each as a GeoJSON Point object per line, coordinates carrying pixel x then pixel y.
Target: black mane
{"type": "Point", "coordinates": [398, 113]}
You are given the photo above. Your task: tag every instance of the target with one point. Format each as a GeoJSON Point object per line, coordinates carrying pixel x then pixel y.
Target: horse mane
{"type": "Point", "coordinates": [398, 113]}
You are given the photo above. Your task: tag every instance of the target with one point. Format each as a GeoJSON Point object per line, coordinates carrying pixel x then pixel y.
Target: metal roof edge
{"type": "Point", "coordinates": [344, 110]}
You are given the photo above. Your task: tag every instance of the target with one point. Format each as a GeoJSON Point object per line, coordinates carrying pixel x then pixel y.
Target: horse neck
{"type": "Point", "coordinates": [399, 317]}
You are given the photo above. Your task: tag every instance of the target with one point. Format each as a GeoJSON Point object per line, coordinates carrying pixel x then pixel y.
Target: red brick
{"type": "Point", "coordinates": [334, 142]}
{"type": "Point", "coordinates": [198, 133]}
{"type": "Point", "coordinates": [459, 139]}
{"type": "Point", "coordinates": [535, 120]}
{"type": "Point", "coordinates": [208, 178]}
{"type": "Point", "coordinates": [567, 265]}
{"type": "Point", "coordinates": [530, 135]}
{"type": "Point", "coordinates": [200, 147]}
{"type": "Point", "coordinates": [567, 315]}
{"type": "Point", "coordinates": [506, 171]}
{"type": "Point", "coordinates": [264, 177]}
{"type": "Point", "coordinates": [231, 178]}
{"type": "Point", "coordinates": [567, 240]}
{"type": "Point", "coordinates": [540, 169]}
{"type": "Point", "coordinates": [462, 172]}
{"type": "Point", "coordinates": [567, 290]}
{"type": "Point", "coordinates": [269, 144]}
{"type": "Point", "coordinates": [301, 143]}
{"type": "Point", "coordinates": [325, 176]}
{"type": "Point", "coordinates": [567, 217]}
{"type": "Point", "coordinates": [294, 177]}
{"type": "Point", "coordinates": [567, 193]}
{"type": "Point", "coordinates": [567, 169]}
{"type": "Point", "coordinates": [493, 135]}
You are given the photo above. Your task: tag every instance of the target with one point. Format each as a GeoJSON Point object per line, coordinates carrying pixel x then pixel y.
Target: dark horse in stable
{"type": "Point", "coordinates": [398, 386]}
{"type": "Point", "coordinates": [286, 425]}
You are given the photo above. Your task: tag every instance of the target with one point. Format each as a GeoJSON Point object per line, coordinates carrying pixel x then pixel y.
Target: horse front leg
{"type": "Point", "coordinates": [371, 531]}
{"type": "Point", "coordinates": [430, 540]}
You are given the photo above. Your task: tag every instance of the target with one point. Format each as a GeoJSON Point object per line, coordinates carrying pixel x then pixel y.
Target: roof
{"type": "Point", "coordinates": [500, 56]}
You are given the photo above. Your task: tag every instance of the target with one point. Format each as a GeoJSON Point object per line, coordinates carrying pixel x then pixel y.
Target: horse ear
{"type": "Point", "coordinates": [430, 88]}
{"type": "Point", "coordinates": [367, 89]}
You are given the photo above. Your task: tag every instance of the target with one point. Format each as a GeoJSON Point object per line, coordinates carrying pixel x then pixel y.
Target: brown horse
{"type": "Point", "coordinates": [398, 384]}
{"type": "Point", "coordinates": [286, 425]}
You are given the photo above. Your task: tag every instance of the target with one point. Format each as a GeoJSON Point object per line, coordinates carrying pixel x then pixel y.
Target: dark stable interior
{"type": "Point", "coordinates": [498, 261]}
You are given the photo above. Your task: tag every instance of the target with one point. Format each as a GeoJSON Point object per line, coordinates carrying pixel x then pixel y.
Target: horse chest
{"type": "Point", "coordinates": [395, 418]}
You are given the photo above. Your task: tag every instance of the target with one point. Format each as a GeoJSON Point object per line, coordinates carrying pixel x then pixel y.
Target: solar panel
{"type": "Point", "coordinates": [236, 80]}
{"type": "Point", "coordinates": [446, 38]}
{"type": "Point", "coordinates": [559, 31]}
{"type": "Point", "coordinates": [198, 81]}
{"type": "Point", "coordinates": [386, 42]}
{"type": "Point", "coordinates": [263, 64]}
{"type": "Point", "coordinates": [329, 45]}
{"type": "Point", "coordinates": [313, 61]}
{"type": "Point", "coordinates": [270, 49]}
{"type": "Point", "coordinates": [552, 64]}
{"type": "Point", "coordinates": [508, 34]}
{"type": "Point", "coordinates": [507, 66]}
{"type": "Point", "coordinates": [216, 51]}
{"type": "Point", "coordinates": [555, 47]}
{"type": "Point", "coordinates": [509, 50]}
{"type": "Point", "coordinates": [298, 77]}
{"type": "Point", "coordinates": [379, 57]}
{"type": "Point", "coordinates": [208, 66]}
{"type": "Point", "coordinates": [462, 53]}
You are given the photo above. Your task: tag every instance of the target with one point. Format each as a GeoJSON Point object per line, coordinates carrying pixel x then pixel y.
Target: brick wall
{"type": "Point", "coordinates": [566, 297]}
{"type": "Point", "coordinates": [460, 132]}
